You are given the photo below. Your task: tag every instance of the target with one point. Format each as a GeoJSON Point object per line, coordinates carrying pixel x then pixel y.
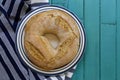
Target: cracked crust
{"type": "Point", "coordinates": [38, 48]}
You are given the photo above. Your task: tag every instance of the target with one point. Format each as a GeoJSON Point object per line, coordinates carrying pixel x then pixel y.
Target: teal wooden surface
{"type": "Point", "coordinates": [101, 19]}
{"type": "Point", "coordinates": [91, 22]}
{"type": "Point", "coordinates": [108, 52]}
{"type": "Point", "coordinates": [108, 40]}
{"type": "Point", "coordinates": [108, 11]}
{"type": "Point", "coordinates": [118, 40]}
{"type": "Point", "coordinates": [78, 11]}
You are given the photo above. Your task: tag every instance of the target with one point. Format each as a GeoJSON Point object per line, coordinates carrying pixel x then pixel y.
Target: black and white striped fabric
{"type": "Point", "coordinates": [11, 68]}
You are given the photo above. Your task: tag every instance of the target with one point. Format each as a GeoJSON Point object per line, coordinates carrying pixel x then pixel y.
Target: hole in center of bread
{"type": "Point", "coordinates": [53, 39]}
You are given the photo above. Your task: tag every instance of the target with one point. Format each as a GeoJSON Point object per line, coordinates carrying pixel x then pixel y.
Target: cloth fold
{"type": "Point", "coordinates": [11, 68]}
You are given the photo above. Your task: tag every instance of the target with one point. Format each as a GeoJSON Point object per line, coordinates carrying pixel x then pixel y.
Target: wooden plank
{"type": "Point", "coordinates": [108, 45]}
{"type": "Point", "coordinates": [108, 9]}
{"type": "Point", "coordinates": [108, 40]}
{"type": "Point", "coordinates": [118, 40]}
{"type": "Point", "coordinates": [91, 14]}
{"type": "Point", "coordinates": [76, 7]}
{"type": "Point", "coordinates": [59, 2]}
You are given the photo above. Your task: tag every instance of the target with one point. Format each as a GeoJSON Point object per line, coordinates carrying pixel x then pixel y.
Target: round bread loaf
{"type": "Point", "coordinates": [51, 39]}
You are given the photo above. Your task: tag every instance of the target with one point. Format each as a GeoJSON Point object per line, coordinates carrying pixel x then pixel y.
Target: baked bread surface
{"type": "Point", "coordinates": [38, 47]}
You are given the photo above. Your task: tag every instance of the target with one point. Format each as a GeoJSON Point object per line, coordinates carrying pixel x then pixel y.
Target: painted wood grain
{"type": "Point", "coordinates": [63, 3]}
{"type": "Point", "coordinates": [108, 11]}
{"type": "Point", "coordinates": [118, 40]}
{"type": "Point", "coordinates": [108, 34]}
{"type": "Point", "coordinates": [92, 33]}
{"type": "Point", "coordinates": [76, 7]}
{"type": "Point", "coordinates": [108, 40]}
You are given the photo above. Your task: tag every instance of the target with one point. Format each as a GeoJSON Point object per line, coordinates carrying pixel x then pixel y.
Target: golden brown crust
{"type": "Point", "coordinates": [38, 48]}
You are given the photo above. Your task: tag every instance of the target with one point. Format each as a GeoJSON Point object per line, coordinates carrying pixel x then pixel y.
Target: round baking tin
{"type": "Point", "coordinates": [20, 40]}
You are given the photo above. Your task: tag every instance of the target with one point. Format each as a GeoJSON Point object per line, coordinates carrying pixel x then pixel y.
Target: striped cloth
{"type": "Point", "coordinates": [11, 68]}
